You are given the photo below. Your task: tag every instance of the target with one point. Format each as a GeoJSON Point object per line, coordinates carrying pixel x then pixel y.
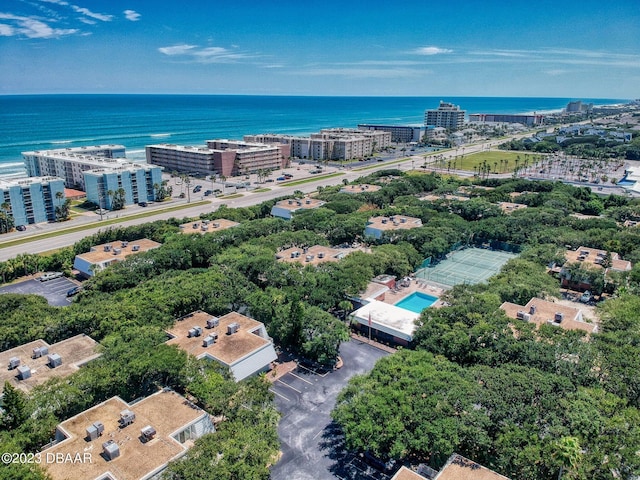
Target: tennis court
{"type": "Point", "coordinates": [470, 265]}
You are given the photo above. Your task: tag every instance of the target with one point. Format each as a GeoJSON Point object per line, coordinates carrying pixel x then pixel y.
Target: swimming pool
{"type": "Point", "coordinates": [416, 302]}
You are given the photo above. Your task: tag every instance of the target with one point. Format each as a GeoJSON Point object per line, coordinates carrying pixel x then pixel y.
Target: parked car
{"type": "Point", "coordinates": [50, 276]}
{"type": "Point", "coordinates": [74, 291]}
{"type": "Point", "coordinates": [142, 204]}
{"type": "Point", "coordinates": [181, 195]}
{"type": "Point", "coordinates": [269, 180]}
{"type": "Point", "coordinates": [21, 228]}
{"type": "Point", "coordinates": [208, 192]}
{"type": "Point", "coordinates": [280, 179]}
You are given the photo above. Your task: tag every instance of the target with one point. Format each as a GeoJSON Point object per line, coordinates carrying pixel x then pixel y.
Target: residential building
{"type": "Point", "coordinates": [220, 157]}
{"type": "Point", "coordinates": [407, 474]}
{"type": "Point", "coordinates": [32, 200]}
{"type": "Point", "coordinates": [541, 312]}
{"type": "Point", "coordinates": [595, 258]}
{"type": "Point", "coordinates": [447, 115]}
{"type": "Point", "coordinates": [287, 208]}
{"type": "Point", "coordinates": [330, 143]}
{"type": "Point", "coordinates": [378, 226]}
{"type": "Point", "coordinates": [461, 468]}
{"type": "Point", "coordinates": [577, 106]}
{"type": "Point", "coordinates": [101, 256]}
{"type": "Point", "coordinates": [71, 163]}
{"type": "Point", "coordinates": [207, 226]}
{"type": "Point", "coordinates": [510, 207]}
{"type": "Point", "coordinates": [140, 183]}
{"type": "Point", "coordinates": [33, 363]}
{"type": "Point", "coordinates": [399, 133]}
{"type": "Point", "coordinates": [529, 120]}
{"type": "Point", "coordinates": [251, 156]}
{"type": "Point", "coordinates": [360, 188]}
{"type": "Point", "coordinates": [116, 440]}
{"type": "Point", "coordinates": [233, 340]}
{"type": "Point", "coordinates": [314, 255]}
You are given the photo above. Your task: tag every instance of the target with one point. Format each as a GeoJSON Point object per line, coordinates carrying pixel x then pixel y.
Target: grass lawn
{"type": "Point", "coordinates": [309, 180]}
{"type": "Point", "coordinates": [260, 190]}
{"type": "Point", "coordinates": [498, 161]}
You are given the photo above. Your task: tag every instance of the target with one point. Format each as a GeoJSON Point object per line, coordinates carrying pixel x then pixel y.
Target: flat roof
{"type": "Point", "coordinates": [360, 188]}
{"type": "Point", "coordinates": [294, 204]}
{"type": "Point", "coordinates": [228, 349]}
{"type": "Point", "coordinates": [461, 468]}
{"type": "Point", "coordinates": [207, 226]}
{"type": "Point", "coordinates": [407, 474]}
{"type": "Point", "coordinates": [26, 181]}
{"type": "Point", "coordinates": [166, 411]}
{"type": "Point", "coordinates": [314, 255]}
{"type": "Point", "coordinates": [99, 255]}
{"type": "Point", "coordinates": [394, 222]}
{"type": "Point", "coordinates": [74, 351]}
{"type": "Point", "coordinates": [387, 318]}
{"type": "Point", "coordinates": [593, 256]}
{"type": "Point", "coordinates": [545, 312]}
{"type": "Point", "coordinates": [508, 207]}
{"type": "Point", "coordinates": [433, 198]}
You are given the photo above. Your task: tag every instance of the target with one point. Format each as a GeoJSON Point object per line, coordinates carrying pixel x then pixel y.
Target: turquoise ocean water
{"type": "Point", "coordinates": [40, 122]}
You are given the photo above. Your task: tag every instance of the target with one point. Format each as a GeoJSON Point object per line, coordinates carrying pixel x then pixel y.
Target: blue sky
{"type": "Point", "coordinates": [578, 49]}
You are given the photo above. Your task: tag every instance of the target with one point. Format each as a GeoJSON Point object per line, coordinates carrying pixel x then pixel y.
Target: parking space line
{"type": "Point", "coordinates": [292, 388]}
{"type": "Point", "coordinates": [300, 378]}
{"type": "Point", "coordinates": [278, 394]}
{"type": "Point", "coordinates": [314, 372]}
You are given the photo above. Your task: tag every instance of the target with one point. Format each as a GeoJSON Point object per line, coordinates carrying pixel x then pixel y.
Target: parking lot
{"type": "Point", "coordinates": [55, 291]}
{"type": "Point", "coordinates": [312, 445]}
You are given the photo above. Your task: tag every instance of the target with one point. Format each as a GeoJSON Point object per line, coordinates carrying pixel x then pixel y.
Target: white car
{"type": "Point", "coordinates": [50, 276]}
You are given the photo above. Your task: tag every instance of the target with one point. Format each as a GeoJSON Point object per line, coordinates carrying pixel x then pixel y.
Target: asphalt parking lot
{"type": "Point", "coordinates": [312, 445]}
{"type": "Point", "coordinates": [55, 291]}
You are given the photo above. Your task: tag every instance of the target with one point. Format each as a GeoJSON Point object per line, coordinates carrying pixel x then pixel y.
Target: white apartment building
{"type": "Point", "coordinates": [447, 115]}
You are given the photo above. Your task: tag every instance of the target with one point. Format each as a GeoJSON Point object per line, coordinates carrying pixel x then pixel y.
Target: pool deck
{"type": "Point", "coordinates": [394, 296]}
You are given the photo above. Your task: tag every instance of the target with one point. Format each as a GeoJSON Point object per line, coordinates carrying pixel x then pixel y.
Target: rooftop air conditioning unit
{"type": "Point", "coordinates": [213, 322]}
{"type": "Point", "coordinates": [526, 317]}
{"type": "Point", "coordinates": [94, 430]}
{"type": "Point", "coordinates": [558, 317]}
{"type": "Point", "coordinates": [55, 360]}
{"type": "Point", "coordinates": [147, 433]}
{"type": "Point", "coordinates": [111, 450]}
{"type": "Point", "coordinates": [293, 254]}
{"type": "Point", "coordinates": [532, 309]}
{"type": "Point", "coordinates": [107, 248]}
{"type": "Point", "coordinates": [308, 201]}
{"type": "Point", "coordinates": [233, 328]}
{"type": "Point", "coordinates": [208, 341]}
{"type": "Point", "coordinates": [135, 248]}
{"type": "Point", "coordinates": [24, 372]}
{"type": "Point", "coordinates": [308, 258]}
{"type": "Point", "coordinates": [216, 224]}
{"type": "Point", "coordinates": [198, 331]}
{"type": "Point", "coordinates": [14, 362]}
{"type": "Point", "coordinates": [384, 220]}
{"type": "Point", "coordinates": [127, 417]}
{"type": "Point", "coordinates": [290, 202]}
{"type": "Point", "coordinates": [124, 244]}
{"type": "Point", "coordinates": [520, 315]}
{"type": "Point", "coordinates": [320, 254]}
{"type": "Point", "coordinates": [117, 251]}
{"type": "Point", "coordinates": [403, 220]}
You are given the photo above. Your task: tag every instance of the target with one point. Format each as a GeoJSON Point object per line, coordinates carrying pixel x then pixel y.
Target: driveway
{"type": "Point", "coordinates": [312, 445]}
{"type": "Point", "coordinates": [55, 291]}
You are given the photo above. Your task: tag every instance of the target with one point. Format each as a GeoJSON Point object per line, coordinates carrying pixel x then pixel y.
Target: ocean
{"type": "Point", "coordinates": [43, 122]}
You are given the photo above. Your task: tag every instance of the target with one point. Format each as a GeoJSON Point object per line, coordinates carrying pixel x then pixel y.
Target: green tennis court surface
{"type": "Point", "coordinates": [471, 265]}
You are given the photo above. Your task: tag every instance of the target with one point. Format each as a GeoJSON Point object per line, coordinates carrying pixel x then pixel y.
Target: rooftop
{"type": "Point", "coordinates": [228, 349]}
{"type": "Point", "coordinates": [311, 255]}
{"type": "Point", "coordinates": [206, 226]}
{"type": "Point", "coordinates": [406, 474]}
{"type": "Point", "coordinates": [364, 187]}
{"type": "Point", "coordinates": [117, 250]}
{"type": "Point", "coordinates": [74, 351]}
{"type": "Point", "coordinates": [165, 411]}
{"type": "Point", "coordinates": [293, 204]}
{"type": "Point", "coordinates": [388, 318]}
{"type": "Point", "coordinates": [553, 313]}
{"type": "Point", "coordinates": [26, 181]}
{"type": "Point", "coordinates": [508, 207]}
{"type": "Point", "coordinates": [461, 468]}
{"type": "Point", "coordinates": [394, 222]}
{"type": "Point", "coordinates": [594, 256]}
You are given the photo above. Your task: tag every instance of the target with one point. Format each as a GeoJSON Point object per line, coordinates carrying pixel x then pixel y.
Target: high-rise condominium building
{"type": "Point", "coordinates": [447, 115]}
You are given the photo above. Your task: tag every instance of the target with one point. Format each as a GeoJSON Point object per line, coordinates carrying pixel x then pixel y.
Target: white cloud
{"type": "Point", "coordinates": [31, 27]}
{"type": "Point", "coordinates": [431, 50]}
{"type": "Point", "coordinates": [131, 15]}
{"type": "Point", "coordinates": [88, 13]}
{"type": "Point", "coordinates": [204, 54]}
{"type": "Point", "coordinates": [57, 2]}
{"type": "Point", "coordinates": [355, 72]}
{"type": "Point", "coordinates": [176, 49]}
{"type": "Point", "coordinates": [6, 30]}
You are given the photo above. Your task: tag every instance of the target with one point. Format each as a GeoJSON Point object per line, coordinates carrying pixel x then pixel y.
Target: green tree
{"type": "Point", "coordinates": [15, 407]}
